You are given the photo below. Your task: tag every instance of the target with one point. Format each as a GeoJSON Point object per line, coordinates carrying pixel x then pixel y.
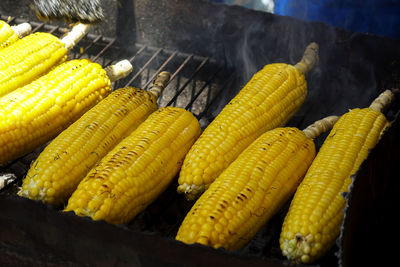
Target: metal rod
{"type": "Point", "coordinates": [54, 29]}
{"type": "Point", "coordinates": [38, 27]}
{"type": "Point", "coordinates": [144, 67]}
{"type": "Point", "coordinates": [90, 45]}
{"type": "Point", "coordinates": [137, 53]}
{"type": "Point", "coordinates": [202, 89]}
{"type": "Point", "coordinates": [188, 58]}
{"type": "Point", "coordinates": [219, 92]}
{"type": "Point", "coordinates": [188, 81]}
{"type": "Point", "coordinates": [104, 49]}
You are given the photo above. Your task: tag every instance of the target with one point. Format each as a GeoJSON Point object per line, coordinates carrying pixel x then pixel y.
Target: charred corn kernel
{"type": "Point", "coordinates": [315, 215]}
{"type": "Point", "coordinates": [7, 35]}
{"type": "Point", "coordinates": [37, 112]}
{"type": "Point", "coordinates": [75, 151]}
{"type": "Point", "coordinates": [252, 189]}
{"type": "Point", "coordinates": [268, 101]}
{"type": "Point", "coordinates": [138, 169]}
{"type": "Point", "coordinates": [28, 59]}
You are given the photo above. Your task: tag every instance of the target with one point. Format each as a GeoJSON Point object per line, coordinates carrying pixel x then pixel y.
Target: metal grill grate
{"type": "Point", "coordinates": [196, 82]}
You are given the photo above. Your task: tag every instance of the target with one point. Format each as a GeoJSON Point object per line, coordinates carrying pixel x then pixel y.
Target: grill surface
{"type": "Point", "coordinates": [196, 84]}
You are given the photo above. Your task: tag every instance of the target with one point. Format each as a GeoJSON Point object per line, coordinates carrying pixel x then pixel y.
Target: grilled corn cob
{"type": "Point", "coordinates": [253, 188]}
{"type": "Point", "coordinates": [315, 215]}
{"type": "Point", "coordinates": [11, 34]}
{"type": "Point", "coordinates": [70, 10]}
{"type": "Point", "coordinates": [71, 155]}
{"type": "Point", "coordinates": [34, 114]}
{"type": "Point", "coordinates": [33, 56]}
{"type": "Point", "coordinates": [268, 101]}
{"type": "Point", "coordinates": [138, 169]}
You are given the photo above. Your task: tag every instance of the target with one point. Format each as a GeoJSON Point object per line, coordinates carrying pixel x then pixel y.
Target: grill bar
{"type": "Point", "coordinates": [215, 98]}
{"type": "Point", "coordinates": [188, 81]}
{"type": "Point", "coordinates": [144, 67]}
{"type": "Point", "coordinates": [188, 58]}
{"type": "Point", "coordinates": [132, 59]}
{"type": "Point", "coordinates": [208, 82]}
{"type": "Point", "coordinates": [37, 27]}
{"type": "Point", "coordinates": [89, 46]}
{"type": "Point", "coordinates": [110, 43]}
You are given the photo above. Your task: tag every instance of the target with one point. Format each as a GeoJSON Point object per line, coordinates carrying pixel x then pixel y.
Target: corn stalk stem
{"type": "Point", "coordinates": [160, 83]}
{"type": "Point", "coordinates": [22, 29]}
{"type": "Point", "coordinates": [75, 35]}
{"type": "Point", "coordinates": [119, 70]}
{"type": "Point", "coordinates": [320, 126]}
{"type": "Point", "coordinates": [382, 101]}
{"type": "Point", "coordinates": [310, 58]}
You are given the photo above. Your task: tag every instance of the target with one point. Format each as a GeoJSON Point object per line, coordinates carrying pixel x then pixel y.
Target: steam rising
{"type": "Point", "coordinates": [344, 78]}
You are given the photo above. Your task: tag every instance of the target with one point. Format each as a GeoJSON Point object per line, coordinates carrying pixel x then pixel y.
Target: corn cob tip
{"type": "Point", "coordinates": [119, 70]}
{"type": "Point", "coordinates": [300, 248]}
{"type": "Point", "coordinates": [160, 83]}
{"type": "Point", "coordinates": [191, 191]}
{"type": "Point", "coordinates": [320, 126]}
{"type": "Point", "coordinates": [310, 58]}
{"type": "Point", "coordinates": [382, 101]}
{"type": "Point", "coordinates": [22, 29]}
{"type": "Point", "coordinates": [6, 179]}
{"type": "Point", "coordinates": [75, 35]}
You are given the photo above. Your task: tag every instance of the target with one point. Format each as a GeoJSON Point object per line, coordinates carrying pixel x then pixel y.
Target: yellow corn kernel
{"type": "Point", "coordinates": [315, 215]}
{"type": "Point", "coordinates": [34, 114]}
{"type": "Point", "coordinates": [252, 189]}
{"type": "Point", "coordinates": [73, 153]}
{"type": "Point", "coordinates": [28, 59]}
{"type": "Point", "coordinates": [268, 101]}
{"type": "Point", "coordinates": [7, 35]}
{"type": "Point", "coordinates": [138, 169]}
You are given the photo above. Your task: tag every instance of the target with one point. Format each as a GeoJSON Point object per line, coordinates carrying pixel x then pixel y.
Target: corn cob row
{"type": "Point", "coordinates": [315, 215]}
{"type": "Point", "coordinates": [268, 101]}
{"type": "Point", "coordinates": [138, 169]}
{"type": "Point", "coordinates": [11, 34]}
{"type": "Point", "coordinates": [71, 155]}
{"type": "Point", "coordinates": [33, 56]}
{"type": "Point", "coordinates": [34, 114]}
{"type": "Point", "coordinates": [253, 188]}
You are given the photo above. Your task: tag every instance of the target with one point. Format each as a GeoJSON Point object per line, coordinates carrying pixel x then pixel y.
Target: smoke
{"type": "Point", "coordinates": [343, 79]}
{"type": "Point", "coordinates": [247, 40]}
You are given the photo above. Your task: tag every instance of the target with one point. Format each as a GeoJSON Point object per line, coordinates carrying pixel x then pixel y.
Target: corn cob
{"type": "Point", "coordinates": [71, 155]}
{"type": "Point", "coordinates": [315, 214]}
{"type": "Point", "coordinates": [138, 169]}
{"type": "Point", "coordinates": [70, 10]}
{"type": "Point", "coordinates": [34, 114]}
{"type": "Point", "coordinates": [33, 56]}
{"type": "Point", "coordinates": [268, 101]}
{"type": "Point", "coordinates": [11, 34]}
{"type": "Point", "coordinates": [253, 188]}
